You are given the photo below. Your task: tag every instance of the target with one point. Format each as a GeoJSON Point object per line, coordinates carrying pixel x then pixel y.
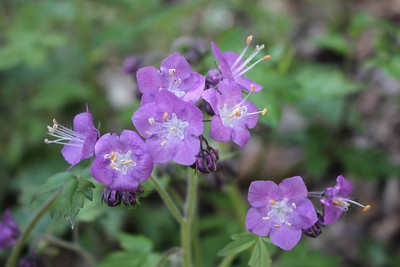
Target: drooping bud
{"type": "Point", "coordinates": [207, 160]}
{"type": "Point", "coordinates": [111, 197]}
{"type": "Point", "coordinates": [130, 198]}
{"type": "Point", "coordinates": [315, 230]}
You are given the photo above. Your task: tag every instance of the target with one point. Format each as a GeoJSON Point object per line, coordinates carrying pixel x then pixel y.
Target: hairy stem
{"type": "Point", "coordinates": [186, 226]}
{"type": "Point", "coordinates": [12, 259]}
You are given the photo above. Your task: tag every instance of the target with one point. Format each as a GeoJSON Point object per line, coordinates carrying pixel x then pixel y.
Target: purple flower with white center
{"type": "Point", "coordinates": [78, 143]}
{"type": "Point", "coordinates": [232, 66]}
{"type": "Point", "coordinates": [122, 162]}
{"type": "Point", "coordinates": [171, 127]}
{"type": "Point", "coordinates": [281, 211]}
{"type": "Point", "coordinates": [336, 200]}
{"type": "Point", "coordinates": [175, 75]}
{"type": "Point", "coordinates": [9, 231]}
{"type": "Point", "coordinates": [233, 114]}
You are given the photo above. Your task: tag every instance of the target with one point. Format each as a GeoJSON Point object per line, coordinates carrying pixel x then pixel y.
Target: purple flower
{"type": "Point", "coordinates": [336, 200]}
{"type": "Point", "coordinates": [232, 66]}
{"type": "Point", "coordinates": [233, 114]}
{"type": "Point", "coordinates": [175, 75]}
{"type": "Point", "coordinates": [121, 161]}
{"type": "Point", "coordinates": [281, 211]}
{"type": "Point", "coordinates": [9, 231]}
{"type": "Point", "coordinates": [171, 127]}
{"type": "Point", "coordinates": [78, 143]}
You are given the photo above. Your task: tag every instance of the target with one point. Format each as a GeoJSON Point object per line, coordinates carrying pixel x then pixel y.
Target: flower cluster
{"type": "Point", "coordinates": [284, 211]}
{"type": "Point", "coordinates": [169, 123]}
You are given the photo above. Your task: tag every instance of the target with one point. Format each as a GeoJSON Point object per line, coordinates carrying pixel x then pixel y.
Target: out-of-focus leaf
{"type": "Point", "coordinates": [335, 42]}
{"type": "Point", "coordinates": [240, 243]}
{"type": "Point", "coordinates": [135, 243]}
{"type": "Point", "coordinates": [54, 182]}
{"type": "Point", "coordinates": [260, 256]}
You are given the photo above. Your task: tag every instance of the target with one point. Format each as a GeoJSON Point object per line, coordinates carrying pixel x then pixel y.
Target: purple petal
{"type": "Point", "coordinates": [83, 123]}
{"type": "Point", "coordinates": [168, 102]}
{"type": "Point", "coordinates": [160, 153]}
{"type": "Point", "coordinates": [141, 117]}
{"type": "Point", "coordinates": [124, 183]}
{"type": "Point", "coordinates": [293, 188]}
{"type": "Point", "coordinates": [250, 120]}
{"type": "Point", "coordinates": [246, 83]}
{"type": "Point", "coordinates": [210, 96]}
{"type": "Point", "coordinates": [218, 131]}
{"type": "Point", "coordinates": [193, 115]}
{"type": "Point", "coordinates": [331, 212]}
{"type": "Point", "coordinates": [256, 224]}
{"type": "Point", "coordinates": [304, 215]}
{"type": "Point", "coordinates": [187, 151]}
{"type": "Point", "coordinates": [285, 237]}
{"type": "Point", "coordinates": [345, 186]}
{"type": "Point", "coordinates": [195, 85]}
{"type": "Point", "coordinates": [240, 136]}
{"type": "Point", "coordinates": [101, 172]}
{"type": "Point", "coordinates": [261, 192]}
{"type": "Point", "coordinates": [179, 63]}
{"type": "Point", "coordinates": [230, 93]}
{"type": "Point", "coordinates": [72, 153]}
{"type": "Point", "coordinates": [223, 65]}
{"type": "Point", "coordinates": [148, 80]}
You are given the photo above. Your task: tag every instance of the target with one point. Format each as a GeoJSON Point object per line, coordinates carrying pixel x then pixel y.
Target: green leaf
{"type": "Point", "coordinates": [135, 243]}
{"type": "Point", "coordinates": [53, 183]}
{"type": "Point", "coordinates": [240, 243]}
{"type": "Point", "coordinates": [260, 256]}
{"type": "Point", "coordinates": [71, 199]}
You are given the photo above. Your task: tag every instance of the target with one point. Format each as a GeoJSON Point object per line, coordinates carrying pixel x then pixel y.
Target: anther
{"type": "Point", "coordinates": [163, 143]}
{"type": "Point", "coordinates": [367, 208]}
{"type": "Point", "coordinates": [265, 218]}
{"type": "Point", "coordinates": [264, 111]}
{"type": "Point", "coordinates": [147, 132]}
{"type": "Point", "coordinates": [273, 202]}
{"type": "Point", "coordinates": [248, 40]}
{"type": "Point", "coordinates": [128, 162]}
{"type": "Point", "coordinates": [259, 47]}
{"type": "Point", "coordinates": [252, 88]}
{"type": "Point", "coordinates": [151, 120]}
{"type": "Point", "coordinates": [267, 57]}
{"type": "Point", "coordinates": [288, 223]}
{"type": "Point", "coordinates": [277, 226]}
{"type": "Point", "coordinates": [47, 141]}
{"type": "Point", "coordinates": [172, 71]}
{"type": "Point", "coordinates": [165, 116]}
{"type": "Point", "coordinates": [294, 205]}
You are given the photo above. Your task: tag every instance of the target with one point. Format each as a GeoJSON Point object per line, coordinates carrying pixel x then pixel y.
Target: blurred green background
{"type": "Point", "coordinates": [332, 89]}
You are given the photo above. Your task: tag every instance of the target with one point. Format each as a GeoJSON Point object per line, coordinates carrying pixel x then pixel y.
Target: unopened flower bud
{"type": "Point", "coordinates": [315, 230]}
{"type": "Point", "coordinates": [131, 64]}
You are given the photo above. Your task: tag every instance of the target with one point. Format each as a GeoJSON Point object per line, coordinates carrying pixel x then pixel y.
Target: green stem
{"type": "Point", "coordinates": [73, 247]}
{"type": "Point", "coordinates": [237, 202]}
{"type": "Point", "coordinates": [167, 199]}
{"type": "Point", "coordinates": [186, 225]}
{"type": "Point", "coordinates": [168, 254]}
{"type": "Point", "coordinates": [12, 259]}
{"type": "Point", "coordinates": [227, 260]}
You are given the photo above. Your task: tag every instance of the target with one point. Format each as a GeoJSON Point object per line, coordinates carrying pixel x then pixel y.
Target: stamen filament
{"type": "Point", "coordinates": [248, 41]}
{"type": "Point", "coordinates": [252, 65]}
{"type": "Point", "coordinates": [255, 52]}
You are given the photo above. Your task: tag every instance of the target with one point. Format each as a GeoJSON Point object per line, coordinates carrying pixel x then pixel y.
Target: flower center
{"type": "Point", "coordinates": [175, 127]}
{"type": "Point", "coordinates": [174, 84]}
{"type": "Point", "coordinates": [279, 211]}
{"type": "Point", "coordinates": [121, 161]}
{"type": "Point", "coordinates": [230, 115]}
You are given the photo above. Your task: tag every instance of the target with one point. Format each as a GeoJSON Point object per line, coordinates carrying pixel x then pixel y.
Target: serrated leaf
{"type": "Point", "coordinates": [53, 183]}
{"type": "Point", "coordinates": [71, 199]}
{"type": "Point", "coordinates": [241, 242]}
{"type": "Point", "coordinates": [260, 256]}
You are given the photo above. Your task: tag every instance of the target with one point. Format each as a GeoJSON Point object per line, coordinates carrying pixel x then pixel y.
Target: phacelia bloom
{"type": "Point", "coordinates": [114, 197]}
{"type": "Point", "coordinates": [336, 200]}
{"type": "Point", "coordinates": [175, 75]}
{"type": "Point", "coordinates": [78, 143]}
{"type": "Point", "coordinates": [9, 231]}
{"type": "Point", "coordinates": [232, 66]}
{"type": "Point", "coordinates": [171, 127]}
{"type": "Point", "coordinates": [281, 211]}
{"type": "Point", "coordinates": [233, 114]}
{"type": "Point", "coordinates": [122, 162]}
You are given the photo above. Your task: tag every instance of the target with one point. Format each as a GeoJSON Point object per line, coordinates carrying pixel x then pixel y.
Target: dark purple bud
{"type": "Point", "coordinates": [129, 198]}
{"type": "Point", "coordinates": [207, 160]}
{"type": "Point", "coordinates": [213, 77]}
{"type": "Point", "coordinates": [9, 231]}
{"type": "Point", "coordinates": [131, 64]}
{"type": "Point", "coordinates": [315, 230]}
{"type": "Point", "coordinates": [111, 197]}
